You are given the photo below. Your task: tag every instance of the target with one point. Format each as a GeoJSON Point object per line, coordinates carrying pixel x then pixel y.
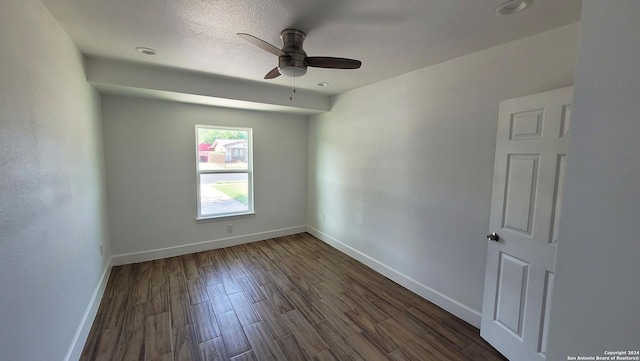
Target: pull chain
{"type": "Point", "coordinates": [293, 87]}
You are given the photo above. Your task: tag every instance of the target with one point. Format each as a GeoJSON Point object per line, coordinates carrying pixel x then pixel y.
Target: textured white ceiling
{"type": "Point", "coordinates": [389, 37]}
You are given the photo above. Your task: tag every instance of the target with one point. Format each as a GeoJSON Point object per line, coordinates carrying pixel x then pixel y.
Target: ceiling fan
{"type": "Point", "coordinates": [292, 59]}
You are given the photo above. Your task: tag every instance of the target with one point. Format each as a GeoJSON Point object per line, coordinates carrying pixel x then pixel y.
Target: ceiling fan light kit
{"type": "Point", "coordinates": [293, 60]}
{"type": "Point", "coordinates": [293, 64]}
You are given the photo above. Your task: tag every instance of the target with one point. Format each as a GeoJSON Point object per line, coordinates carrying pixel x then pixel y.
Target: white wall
{"type": "Point", "coordinates": [402, 169]}
{"type": "Point", "coordinates": [151, 179]}
{"type": "Point", "coordinates": [595, 304]}
{"type": "Point", "coordinates": [52, 202]}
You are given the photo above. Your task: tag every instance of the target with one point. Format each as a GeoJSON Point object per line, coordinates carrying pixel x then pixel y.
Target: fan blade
{"type": "Point", "coordinates": [274, 73]}
{"type": "Point", "coordinates": [262, 44]}
{"type": "Point", "coordinates": [333, 63]}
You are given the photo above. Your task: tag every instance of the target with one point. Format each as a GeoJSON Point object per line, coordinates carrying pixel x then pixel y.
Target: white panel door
{"type": "Point", "coordinates": [528, 179]}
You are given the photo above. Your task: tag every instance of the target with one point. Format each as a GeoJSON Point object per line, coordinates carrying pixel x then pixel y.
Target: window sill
{"type": "Point", "coordinates": [224, 216]}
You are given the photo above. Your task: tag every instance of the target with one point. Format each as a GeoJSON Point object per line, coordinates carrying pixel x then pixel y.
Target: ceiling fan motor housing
{"type": "Point", "coordinates": [292, 65]}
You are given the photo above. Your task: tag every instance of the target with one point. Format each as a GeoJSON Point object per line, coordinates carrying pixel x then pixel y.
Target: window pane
{"type": "Point", "coordinates": [223, 193]}
{"type": "Point", "coordinates": [220, 148]}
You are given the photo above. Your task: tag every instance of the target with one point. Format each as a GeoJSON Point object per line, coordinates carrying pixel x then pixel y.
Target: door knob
{"type": "Point", "coordinates": [493, 237]}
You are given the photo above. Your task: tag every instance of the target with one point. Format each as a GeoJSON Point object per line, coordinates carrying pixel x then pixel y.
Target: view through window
{"type": "Point", "coordinates": [224, 167]}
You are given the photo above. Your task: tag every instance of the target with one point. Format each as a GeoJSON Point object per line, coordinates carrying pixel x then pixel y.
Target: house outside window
{"type": "Point", "coordinates": [224, 170]}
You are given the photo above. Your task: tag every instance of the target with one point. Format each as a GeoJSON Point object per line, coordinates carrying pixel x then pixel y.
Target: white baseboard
{"type": "Point", "coordinates": [79, 339]}
{"type": "Point", "coordinates": [151, 255]}
{"type": "Point", "coordinates": [456, 308]}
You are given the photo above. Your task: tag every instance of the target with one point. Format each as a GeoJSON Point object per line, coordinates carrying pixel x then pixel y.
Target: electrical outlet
{"type": "Point", "coordinates": [229, 228]}
{"type": "Point", "coordinates": [324, 218]}
{"type": "Point", "coordinates": [101, 250]}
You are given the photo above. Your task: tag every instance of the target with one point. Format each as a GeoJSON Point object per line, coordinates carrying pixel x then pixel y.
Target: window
{"type": "Point", "coordinates": [224, 171]}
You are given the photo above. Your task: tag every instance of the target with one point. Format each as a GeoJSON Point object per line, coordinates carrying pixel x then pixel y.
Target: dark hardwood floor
{"type": "Point", "coordinates": [289, 298]}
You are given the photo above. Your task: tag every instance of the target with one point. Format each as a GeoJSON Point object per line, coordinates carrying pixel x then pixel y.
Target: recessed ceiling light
{"type": "Point", "coordinates": [513, 6]}
{"type": "Point", "coordinates": [146, 51]}
{"type": "Point", "coordinates": [323, 83]}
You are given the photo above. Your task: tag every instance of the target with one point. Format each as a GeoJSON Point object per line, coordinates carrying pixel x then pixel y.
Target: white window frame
{"type": "Point", "coordinates": [248, 171]}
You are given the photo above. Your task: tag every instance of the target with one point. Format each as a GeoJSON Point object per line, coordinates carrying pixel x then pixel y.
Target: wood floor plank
{"type": "Point", "coordinates": [345, 327]}
{"type": "Point", "coordinates": [406, 338]}
{"type": "Point", "coordinates": [229, 282]}
{"type": "Point", "coordinates": [455, 338]}
{"type": "Point", "coordinates": [158, 277]}
{"type": "Point", "coordinates": [272, 319]}
{"type": "Point", "coordinates": [403, 354]}
{"type": "Point", "coordinates": [218, 261]}
{"type": "Point", "coordinates": [134, 320]}
{"type": "Point", "coordinates": [259, 275]}
{"type": "Point", "coordinates": [219, 299]}
{"type": "Point", "coordinates": [270, 254]}
{"type": "Point", "coordinates": [252, 289]}
{"type": "Point", "coordinates": [228, 254]}
{"type": "Point", "coordinates": [247, 356]}
{"type": "Point", "coordinates": [337, 301]}
{"type": "Point", "coordinates": [325, 273]}
{"type": "Point", "coordinates": [197, 290]}
{"type": "Point", "coordinates": [204, 322]}
{"type": "Point", "coordinates": [467, 330]}
{"type": "Point", "coordinates": [185, 344]}
{"type": "Point", "coordinates": [213, 350]}
{"type": "Point", "coordinates": [433, 342]}
{"type": "Point", "coordinates": [244, 311]}
{"type": "Point", "coordinates": [210, 275]}
{"type": "Point", "coordinates": [140, 292]}
{"type": "Point", "coordinates": [366, 348]}
{"type": "Point", "coordinates": [180, 307]}
{"type": "Point", "coordinates": [173, 264]}
{"type": "Point", "coordinates": [142, 270]}
{"type": "Point", "coordinates": [276, 248]}
{"type": "Point", "coordinates": [158, 301]}
{"type": "Point", "coordinates": [114, 313]}
{"type": "Point", "coordinates": [304, 286]}
{"type": "Point", "coordinates": [235, 341]}
{"type": "Point", "coordinates": [306, 308]}
{"type": "Point", "coordinates": [336, 285]}
{"type": "Point", "coordinates": [371, 328]}
{"type": "Point", "coordinates": [165, 357]}
{"type": "Point", "coordinates": [123, 279]}
{"type": "Point", "coordinates": [285, 245]}
{"type": "Point", "coordinates": [263, 345]}
{"type": "Point", "coordinates": [191, 270]}
{"type": "Point", "coordinates": [337, 343]}
{"type": "Point", "coordinates": [262, 258]}
{"type": "Point", "coordinates": [372, 311]}
{"type": "Point", "coordinates": [291, 348]}
{"type": "Point", "coordinates": [106, 345]}
{"type": "Point", "coordinates": [237, 268]}
{"type": "Point", "coordinates": [358, 288]}
{"type": "Point", "coordinates": [311, 343]}
{"type": "Point", "coordinates": [157, 335]}
{"type": "Point", "coordinates": [251, 249]}
{"type": "Point", "coordinates": [130, 351]}
{"type": "Point", "coordinates": [280, 279]}
{"type": "Point", "coordinates": [203, 260]}
{"type": "Point", "coordinates": [326, 355]}
{"type": "Point", "coordinates": [477, 352]}
{"type": "Point", "coordinates": [399, 315]}
{"type": "Point", "coordinates": [300, 270]}
{"type": "Point", "coordinates": [277, 297]}
{"type": "Point", "coordinates": [177, 283]}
